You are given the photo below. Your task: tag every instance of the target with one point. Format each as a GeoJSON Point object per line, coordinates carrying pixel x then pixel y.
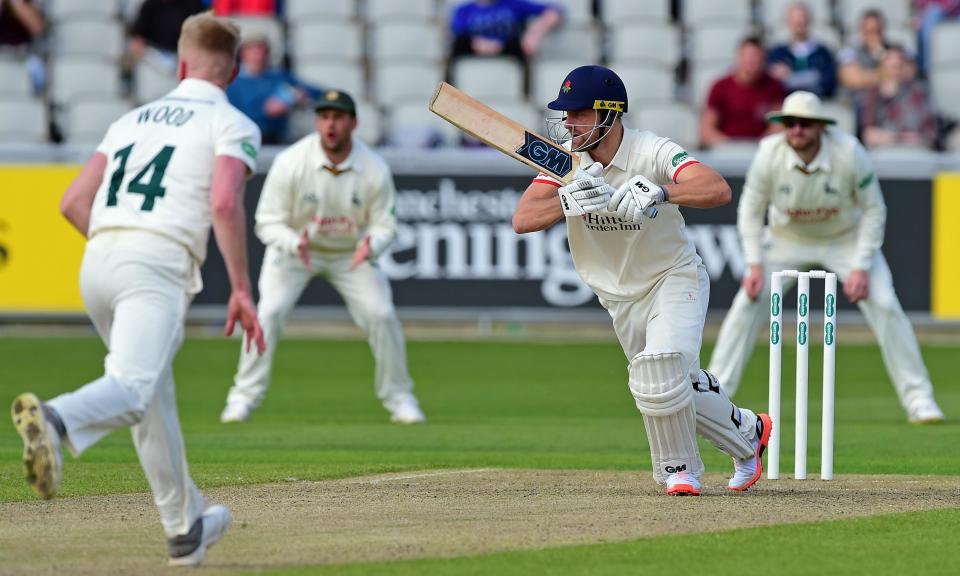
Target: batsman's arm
{"type": "Point", "coordinates": [699, 186]}
{"type": "Point", "coordinates": [77, 201]}
{"type": "Point", "coordinates": [538, 209]}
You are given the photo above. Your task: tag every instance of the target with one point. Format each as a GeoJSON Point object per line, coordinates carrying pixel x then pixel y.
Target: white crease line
{"type": "Point", "coordinates": [427, 475]}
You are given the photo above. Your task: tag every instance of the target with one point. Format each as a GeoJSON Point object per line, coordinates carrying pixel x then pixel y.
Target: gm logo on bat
{"type": "Point", "coordinates": [552, 159]}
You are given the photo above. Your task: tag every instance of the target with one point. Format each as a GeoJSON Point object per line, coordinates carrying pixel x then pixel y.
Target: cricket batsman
{"type": "Point", "coordinates": [629, 245]}
{"type": "Point", "coordinates": [824, 209]}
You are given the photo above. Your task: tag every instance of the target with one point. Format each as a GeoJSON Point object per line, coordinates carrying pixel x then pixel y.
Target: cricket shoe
{"type": "Point", "coordinates": [682, 484]}
{"type": "Point", "coordinates": [191, 548]}
{"type": "Point", "coordinates": [42, 458]}
{"type": "Point", "coordinates": [746, 472]}
{"type": "Point", "coordinates": [925, 411]}
{"type": "Point", "coordinates": [235, 412]}
{"type": "Point", "coordinates": [407, 411]}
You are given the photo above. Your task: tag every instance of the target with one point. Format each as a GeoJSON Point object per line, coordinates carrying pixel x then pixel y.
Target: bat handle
{"type": "Point", "coordinates": [651, 212]}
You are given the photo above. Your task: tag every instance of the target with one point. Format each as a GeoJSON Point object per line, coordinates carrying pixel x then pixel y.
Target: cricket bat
{"type": "Point", "coordinates": [493, 128]}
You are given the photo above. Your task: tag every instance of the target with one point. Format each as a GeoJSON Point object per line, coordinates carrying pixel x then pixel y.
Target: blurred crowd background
{"type": "Point", "coordinates": [703, 72]}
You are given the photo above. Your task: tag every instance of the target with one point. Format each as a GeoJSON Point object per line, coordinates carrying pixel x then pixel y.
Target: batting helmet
{"type": "Point", "coordinates": [591, 88]}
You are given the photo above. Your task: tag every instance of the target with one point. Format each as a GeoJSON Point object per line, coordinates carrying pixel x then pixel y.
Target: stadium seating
{"type": "Point", "coordinates": [22, 121]}
{"type": "Point", "coordinates": [303, 10]}
{"type": "Point", "coordinates": [380, 11]}
{"type": "Point", "coordinates": [151, 83]}
{"type": "Point", "coordinates": [625, 12]}
{"type": "Point", "coordinates": [16, 79]}
{"type": "Point", "coordinates": [88, 37]}
{"type": "Point", "coordinates": [895, 12]}
{"type": "Point", "coordinates": [697, 13]}
{"type": "Point", "coordinates": [773, 14]}
{"type": "Point", "coordinates": [332, 74]}
{"type": "Point", "coordinates": [405, 82]}
{"type": "Point", "coordinates": [676, 120]}
{"type": "Point", "coordinates": [86, 122]}
{"type": "Point", "coordinates": [485, 78]}
{"type": "Point", "coordinates": [656, 44]}
{"type": "Point", "coordinates": [315, 40]}
{"type": "Point", "coordinates": [74, 78]}
{"type": "Point", "coordinates": [407, 40]}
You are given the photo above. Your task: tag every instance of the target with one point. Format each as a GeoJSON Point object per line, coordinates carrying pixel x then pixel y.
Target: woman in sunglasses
{"type": "Point", "coordinates": [824, 209]}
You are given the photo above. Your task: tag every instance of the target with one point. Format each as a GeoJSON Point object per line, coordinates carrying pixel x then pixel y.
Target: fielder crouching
{"type": "Point", "coordinates": [327, 209]}
{"type": "Point", "coordinates": [629, 245]}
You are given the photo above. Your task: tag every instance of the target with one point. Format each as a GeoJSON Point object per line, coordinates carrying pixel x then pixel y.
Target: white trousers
{"type": "Point", "coordinates": [670, 320]}
{"type": "Point", "coordinates": [898, 344]}
{"type": "Point", "coordinates": [136, 287]}
{"type": "Point", "coordinates": [368, 297]}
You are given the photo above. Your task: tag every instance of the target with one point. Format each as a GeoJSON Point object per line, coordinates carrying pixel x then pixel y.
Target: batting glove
{"type": "Point", "coordinates": [638, 197]}
{"type": "Point", "coordinates": [588, 193]}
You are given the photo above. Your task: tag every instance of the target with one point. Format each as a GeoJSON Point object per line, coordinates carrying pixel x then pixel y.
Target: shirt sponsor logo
{"type": "Point", "coordinates": [679, 158]}
{"type": "Point", "coordinates": [809, 216]}
{"type": "Point", "coordinates": [334, 226]}
{"type": "Point", "coordinates": [250, 150]}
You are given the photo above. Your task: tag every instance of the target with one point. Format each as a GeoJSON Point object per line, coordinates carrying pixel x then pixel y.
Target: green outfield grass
{"type": "Point", "coordinates": [489, 404]}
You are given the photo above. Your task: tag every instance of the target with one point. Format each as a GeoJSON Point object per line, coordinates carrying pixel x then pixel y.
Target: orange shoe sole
{"type": "Point", "coordinates": [761, 447]}
{"type": "Point", "coordinates": [683, 490]}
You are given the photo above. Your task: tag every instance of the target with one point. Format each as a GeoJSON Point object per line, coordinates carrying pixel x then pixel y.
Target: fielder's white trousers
{"type": "Point", "coordinates": [136, 287]}
{"type": "Point", "coordinates": [368, 297]}
{"type": "Point", "coordinates": [898, 344]}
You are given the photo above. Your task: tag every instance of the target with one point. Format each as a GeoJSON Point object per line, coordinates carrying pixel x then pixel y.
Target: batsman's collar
{"type": "Point", "coordinates": [801, 104]}
{"type": "Point", "coordinates": [336, 100]}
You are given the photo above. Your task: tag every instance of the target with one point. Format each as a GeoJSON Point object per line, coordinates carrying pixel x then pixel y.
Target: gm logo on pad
{"type": "Point", "coordinates": [553, 160]}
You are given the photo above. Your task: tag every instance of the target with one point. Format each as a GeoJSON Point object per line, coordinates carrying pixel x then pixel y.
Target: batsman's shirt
{"type": "Point", "coordinates": [624, 260]}
{"type": "Point", "coordinates": [160, 160]}
{"type": "Point", "coordinates": [341, 203]}
{"type": "Point", "coordinates": [836, 195]}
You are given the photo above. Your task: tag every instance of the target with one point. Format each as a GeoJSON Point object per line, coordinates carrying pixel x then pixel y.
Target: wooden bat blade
{"type": "Point", "coordinates": [493, 128]}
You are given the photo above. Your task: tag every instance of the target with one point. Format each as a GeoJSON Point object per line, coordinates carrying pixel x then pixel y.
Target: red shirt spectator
{"type": "Point", "coordinates": [738, 103]}
{"type": "Point", "coordinates": [246, 7]}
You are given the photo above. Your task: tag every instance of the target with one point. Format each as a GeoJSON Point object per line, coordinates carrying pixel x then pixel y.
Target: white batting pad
{"type": "Point", "coordinates": [727, 427]}
{"type": "Point", "coordinates": [663, 395]}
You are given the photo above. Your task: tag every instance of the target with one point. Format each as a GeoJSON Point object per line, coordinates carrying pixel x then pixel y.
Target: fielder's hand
{"type": "Point", "coordinates": [588, 193]}
{"type": "Point", "coordinates": [303, 247]}
{"type": "Point", "coordinates": [753, 281]}
{"type": "Point", "coordinates": [362, 253]}
{"type": "Point", "coordinates": [857, 286]}
{"type": "Point", "coordinates": [637, 197]}
{"type": "Point", "coordinates": [240, 309]}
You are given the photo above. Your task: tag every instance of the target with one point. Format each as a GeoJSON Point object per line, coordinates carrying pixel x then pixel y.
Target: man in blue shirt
{"type": "Point", "coordinates": [500, 27]}
{"type": "Point", "coordinates": [267, 95]}
{"type": "Point", "coordinates": [803, 63]}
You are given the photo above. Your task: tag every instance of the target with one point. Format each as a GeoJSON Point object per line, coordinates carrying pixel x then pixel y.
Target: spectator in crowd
{"type": "Point", "coordinates": [156, 30]}
{"type": "Point", "coordinates": [737, 104]}
{"type": "Point", "coordinates": [248, 7]}
{"type": "Point", "coordinates": [927, 14]}
{"type": "Point", "coordinates": [803, 63]}
{"type": "Point", "coordinates": [265, 94]}
{"type": "Point", "coordinates": [897, 111]}
{"type": "Point", "coordinates": [22, 22]}
{"type": "Point", "coordinates": [860, 63]}
{"type": "Point", "coordinates": [502, 27]}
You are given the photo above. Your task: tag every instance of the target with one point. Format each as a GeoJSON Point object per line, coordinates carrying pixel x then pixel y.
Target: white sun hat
{"type": "Point", "coordinates": [801, 104]}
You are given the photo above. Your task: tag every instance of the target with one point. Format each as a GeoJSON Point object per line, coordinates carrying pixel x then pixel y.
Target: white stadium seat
{"type": "Point", "coordinates": [844, 115]}
{"type": "Point", "coordinates": [528, 116]}
{"type": "Point", "coordinates": [16, 79]}
{"type": "Point", "coordinates": [698, 13]}
{"type": "Point", "coordinates": [103, 38]}
{"type": "Point", "coordinates": [647, 83]}
{"type": "Point", "coordinates": [64, 10]}
{"type": "Point", "coordinates": [317, 40]}
{"type": "Point", "coordinates": [674, 120]}
{"type": "Point", "coordinates": [577, 12]}
{"type": "Point", "coordinates": [413, 125]}
{"type": "Point", "coordinates": [485, 78]}
{"type": "Point", "coordinates": [945, 44]}
{"type": "Point", "coordinates": [546, 79]}
{"type": "Point", "coordinates": [74, 78]}
{"type": "Point", "coordinates": [645, 43]}
{"type": "Point", "coordinates": [405, 82]}
{"type": "Point", "coordinates": [334, 75]}
{"type": "Point", "coordinates": [703, 77]}
{"type": "Point", "coordinates": [297, 11]}
{"type": "Point", "coordinates": [716, 43]}
{"type": "Point", "coordinates": [86, 121]}
{"type": "Point", "coordinates": [407, 40]}
{"type": "Point", "coordinates": [151, 82]}
{"type": "Point", "coordinates": [945, 86]}
{"type": "Point", "coordinates": [379, 11]}
{"type": "Point", "coordinates": [571, 43]}
{"type": "Point", "coordinates": [22, 120]}
{"type": "Point", "coordinates": [645, 12]}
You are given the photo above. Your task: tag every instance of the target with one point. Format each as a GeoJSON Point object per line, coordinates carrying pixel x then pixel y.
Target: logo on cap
{"type": "Point", "coordinates": [331, 95]}
{"type": "Point", "coordinates": [567, 87]}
